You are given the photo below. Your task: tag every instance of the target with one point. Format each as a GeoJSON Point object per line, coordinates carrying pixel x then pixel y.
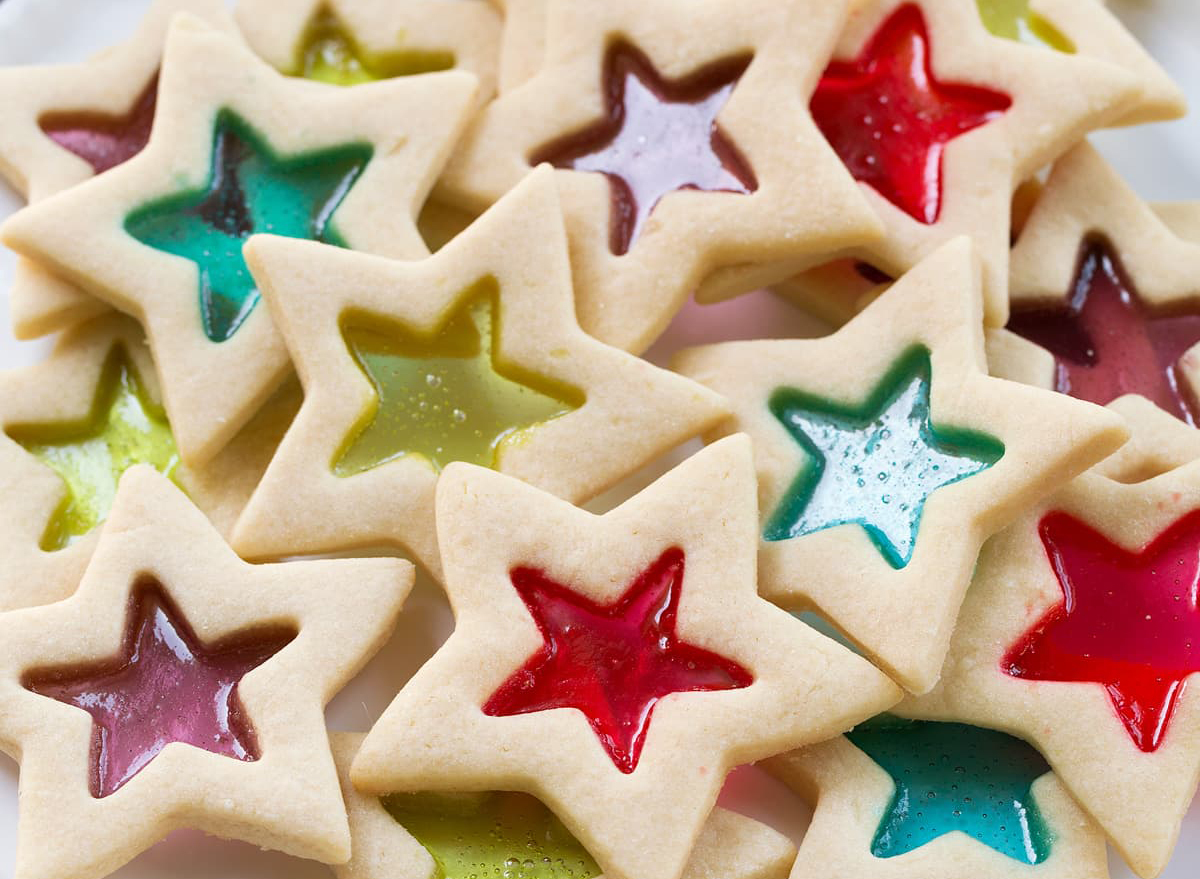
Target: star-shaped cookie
{"type": "Point", "coordinates": [910, 799]}
{"type": "Point", "coordinates": [472, 354]}
{"type": "Point", "coordinates": [683, 143]}
{"type": "Point", "coordinates": [886, 456]}
{"type": "Point", "coordinates": [223, 731]}
{"type": "Point", "coordinates": [349, 42]}
{"type": "Point", "coordinates": [70, 425]}
{"type": "Point", "coordinates": [939, 120]}
{"type": "Point", "coordinates": [1106, 291]}
{"type": "Point", "coordinates": [709, 675]}
{"type": "Point", "coordinates": [67, 122]}
{"type": "Point", "coordinates": [1077, 634]}
{"type": "Point", "coordinates": [1181, 217]}
{"type": "Point", "coordinates": [454, 836]}
{"type": "Point", "coordinates": [239, 148]}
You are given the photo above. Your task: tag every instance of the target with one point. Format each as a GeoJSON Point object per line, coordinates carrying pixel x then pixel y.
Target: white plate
{"type": "Point", "coordinates": [1162, 161]}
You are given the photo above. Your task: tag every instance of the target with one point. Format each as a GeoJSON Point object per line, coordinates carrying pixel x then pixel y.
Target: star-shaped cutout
{"type": "Point", "coordinates": [657, 137]}
{"type": "Point", "coordinates": [349, 43]}
{"type": "Point", "coordinates": [874, 464]}
{"type": "Point", "coordinates": [1014, 20]}
{"type": "Point", "coordinates": [1108, 290]}
{"type": "Point", "coordinates": [494, 532]}
{"type": "Point", "coordinates": [693, 173]}
{"type": "Point", "coordinates": [1078, 636]}
{"type": "Point", "coordinates": [66, 122]}
{"type": "Point", "coordinates": [898, 391]}
{"type": "Point", "coordinates": [889, 117]}
{"type": "Point", "coordinates": [219, 363]}
{"type": "Point", "coordinates": [1128, 621]}
{"type": "Point", "coordinates": [449, 398]}
{"type": "Point", "coordinates": [173, 757]}
{"type": "Point", "coordinates": [904, 799]}
{"type": "Point", "coordinates": [940, 120]}
{"type": "Point", "coordinates": [951, 776]}
{"type": "Point", "coordinates": [467, 834]}
{"type": "Point", "coordinates": [612, 662]}
{"type": "Point", "coordinates": [250, 189]}
{"type": "Point", "coordinates": [451, 333]}
{"type": "Point", "coordinates": [164, 687]}
{"type": "Point", "coordinates": [123, 428]}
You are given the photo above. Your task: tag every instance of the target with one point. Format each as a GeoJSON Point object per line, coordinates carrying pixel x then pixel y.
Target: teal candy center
{"type": "Point", "coordinates": [873, 464]}
{"type": "Point", "coordinates": [250, 190]}
{"type": "Point", "coordinates": [950, 776]}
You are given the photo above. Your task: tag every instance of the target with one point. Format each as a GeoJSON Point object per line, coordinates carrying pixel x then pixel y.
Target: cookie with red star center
{"type": "Point", "coordinates": [182, 687]}
{"type": "Point", "coordinates": [471, 355]}
{"type": "Point", "coordinates": [350, 42]}
{"type": "Point", "coordinates": [238, 148]}
{"type": "Point", "coordinates": [915, 799]}
{"type": "Point", "coordinates": [673, 670]}
{"type": "Point", "coordinates": [66, 122]}
{"type": "Point", "coordinates": [455, 835]}
{"type": "Point", "coordinates": [887, 456]}
{"type": "Point", "coordinates": [1103, 296]}
{"type": "Point", "coordinates": [938, 120]}
{"type": "Point", "coordinates": [1078, 635]}
{"type": "Point", "coordinates": [683, 142]}
{"type": "Point", "coordinates": [71, 424]}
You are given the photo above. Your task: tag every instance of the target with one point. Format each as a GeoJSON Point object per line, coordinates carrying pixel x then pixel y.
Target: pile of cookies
{"type": "Point", "coordinates": [371, 281]}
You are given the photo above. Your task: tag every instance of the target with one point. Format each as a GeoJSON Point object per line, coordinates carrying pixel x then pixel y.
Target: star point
{"type": "Point", "coordinates": [105, 141]}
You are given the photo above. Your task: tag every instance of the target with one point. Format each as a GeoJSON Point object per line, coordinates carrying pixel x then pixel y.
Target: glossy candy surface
{"type": "Point", "coordinates": [659, 136]}
{"type": "Point", "coordinates": [875, 463]}
{"type": "Point", "coordinates": [123, 428]}
{"type": "Point", "coordinates": [500, 835]}
{"type": "Point", "coordinates": [1014, 20]}
{"type": "Point", "coordinates": [105, 141]}
{"type": "Point", "coordinates": [1129, 621]}
{"type": "Point", "coordinates": [329, 54]}
{"type": "Point", "coordinates": [889, 118]}
{"type": "Point", "coordinates": [950, 776]}
{"type": "Point", "coordinates": [164, 686]}
{"type": "Point", "coordinates": [446, 398]}
{"type": "Point", "coordinates": [1106, 342]}
{"type": "Point", "coordinates": [611, 662]}
{"type": "Point", "coordinates": [250, 190]}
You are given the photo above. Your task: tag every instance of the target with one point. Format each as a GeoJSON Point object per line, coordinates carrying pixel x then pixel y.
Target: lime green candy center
{"type": "Point", "coordinates": [329, 54]}
{"type": "Point", "coordinates": [500, 835]}
{"type": "Point", "coordinates": [1014, 20]}
{"type": "Point", "coordinates": [123, 428]}
{"type": "Point", "coordinates": [447, 397]}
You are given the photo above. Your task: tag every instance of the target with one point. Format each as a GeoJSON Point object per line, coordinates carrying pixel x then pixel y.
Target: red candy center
{"type": "Point", "coordinates": [105, 141]}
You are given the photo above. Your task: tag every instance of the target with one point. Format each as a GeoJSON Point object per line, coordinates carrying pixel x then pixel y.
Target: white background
{"type": "Point", "coordinates": [1162, 161]}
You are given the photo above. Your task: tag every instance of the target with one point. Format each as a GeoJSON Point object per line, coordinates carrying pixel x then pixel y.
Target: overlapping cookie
{"type": "Point", "coordinates": [886, 456]}
{"type": "Point", "coordinates": [682, 140]}
{"type": "Point", "coordinates": [71, 425]}
{"type": "Point", "coordinates": [1079, 635]}
{"type": "Point", "coordinates": [180, 686]}
{"type": "Point", "coordinates": [916, 799]}
{"type": "Point", "coordinates": [238, 148]}
{"type": "Point", "coordinates": [615, 666]}
{"type": "Point", "coordinates": [470, 355]}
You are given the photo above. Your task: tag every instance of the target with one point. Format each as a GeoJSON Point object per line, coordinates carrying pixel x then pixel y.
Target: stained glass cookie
{"type": "Point", "coordinates": [525, 694]}
{"type": "Point", "coordinates": [1078, 634]}
{"type": "Point", "coordinates": [71, 425]}
{"type": "Point", "coordinates": [917, 799]}
{"type": "Point", "coordinates": [939, 120]}
{"type": "Point", "coordinates": [470, 355]}
{"type": "Point", "coordinates": [235, 151]}
{"type": "Point", "coordinates": [886, 456]}
{"type": "Point", "coordinates": [67, 122]}
{"type": "Point", "coordinates": [350, 42]}
{"type": "Point", "coordinates": [180, 686]}
{"type": "Point", "coordinates": [457, 835]}
{"type": "Point", "coordinates": [682, 141]}
{"type": "Point", "coordinates": [1105, 292]}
